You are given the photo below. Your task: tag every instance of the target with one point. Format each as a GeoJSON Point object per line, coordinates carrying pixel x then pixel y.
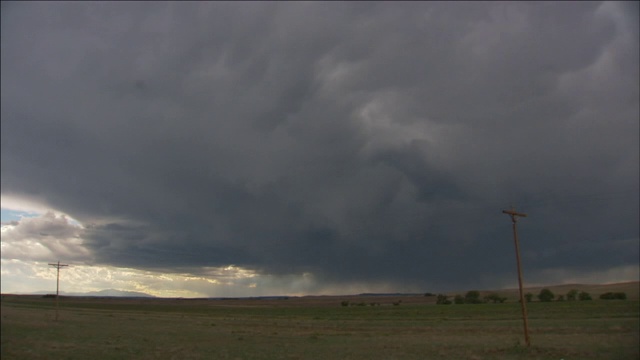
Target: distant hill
{"type": "Point", "coordinates": [101, 293]}
{"type": "Point", "coordinates": [117, 293]}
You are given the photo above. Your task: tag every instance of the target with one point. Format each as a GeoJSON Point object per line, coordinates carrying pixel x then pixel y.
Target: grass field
{"type": "Point", "coordinates": [314, 328]}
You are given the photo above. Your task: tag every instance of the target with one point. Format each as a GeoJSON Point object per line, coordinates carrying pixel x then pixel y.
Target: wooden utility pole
{"type": "Point", "coordinates": [58, 266]}
{"type": "Point", "coordinates": [514, 219]}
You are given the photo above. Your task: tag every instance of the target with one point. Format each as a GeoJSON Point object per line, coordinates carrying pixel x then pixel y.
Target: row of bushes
{"type": "Point", "coordinates": [471, 297]}
{"type": "Point", "coordinates": [545, 295]}
{"type": "Point", "coordinates": [614, 296]}
{"type": "Point", "coordinates": [348, 303]}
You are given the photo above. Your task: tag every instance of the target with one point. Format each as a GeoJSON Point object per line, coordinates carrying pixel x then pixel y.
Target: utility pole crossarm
{"type": "Point", "coordinates": [513, 213]}
{"type": "Point", "coordinates": [58, 265]}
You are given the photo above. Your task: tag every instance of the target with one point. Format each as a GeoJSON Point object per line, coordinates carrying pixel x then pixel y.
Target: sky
{"type": "Point", "coordinates": [213, 149]}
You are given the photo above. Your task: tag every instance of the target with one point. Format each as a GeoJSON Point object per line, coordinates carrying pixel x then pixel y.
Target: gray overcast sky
{"type": "Point", "coordinates": [370, 143]}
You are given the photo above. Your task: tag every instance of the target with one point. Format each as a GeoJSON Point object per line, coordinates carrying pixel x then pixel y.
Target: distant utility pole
{"type": "Point", "coordinates": [58, 266]}
{"type": "Point", "coordinates": [514, 218]}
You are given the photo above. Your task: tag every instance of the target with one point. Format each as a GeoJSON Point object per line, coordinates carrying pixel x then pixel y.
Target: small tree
{"type": "Point", "coordinates": [613, 296]}
{"type": "Point", "coordinates": [584, 296]}
{"type": "Point", "coordinates": [572, 295]}
{"type": "Point", "coordinates": [607, 296]}
{"type": "Point", "coordinates": [458, 299]}
{"type": "Point", "coordinates": [472, 297]}
{"type": "Point", "coordinates": [560, 298]}
{"type": "Point", "coordinates": [528, 297]}
{"type": "Point", "coordinates": [495, 298]}
{"type": "Point", "coordinates": [545, 295]}
{"type": "Point", "coordinates": [443, 300]}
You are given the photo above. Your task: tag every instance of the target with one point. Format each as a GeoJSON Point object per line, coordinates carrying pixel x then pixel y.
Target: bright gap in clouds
{"type": "Point", "coordinates": [36, 235]}
{"type": "Point", "coordinates": [7, 215]}
{"type": "Point", "coordinates": [25, 277]}
{"type": "Point", "coordinates": [30, 244]}
{"type": "Point", "coordinates": [32, 239]}
{"type": "Point", "coordinates": [19, 276]}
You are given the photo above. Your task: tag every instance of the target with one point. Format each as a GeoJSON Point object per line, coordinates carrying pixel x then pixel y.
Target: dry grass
{"type": "Point", "coordinates": [314, 328]}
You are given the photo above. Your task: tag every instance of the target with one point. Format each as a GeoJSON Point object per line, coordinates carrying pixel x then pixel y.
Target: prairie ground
{"type": "Point", "coordinates": [315, 328]}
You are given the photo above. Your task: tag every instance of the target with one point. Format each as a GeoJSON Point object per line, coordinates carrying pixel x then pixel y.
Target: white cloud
{"type": "Point", "coordinates": [44, 238]}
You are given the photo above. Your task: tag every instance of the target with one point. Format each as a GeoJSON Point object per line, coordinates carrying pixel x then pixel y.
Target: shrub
{"type": "Point", "coordinates": [458, 299]}
{"type": "Point", "coordinates": [572, 295]}
{"type": "Point", "coordinates": [584, 296]}
{"type": "Point", "coordinates": [495, 298]}
{"type": "Point", "coordinates": [545, 295]}
{"type": "Point", "coordinates": [472, 297]}
{"type": "Point", "coordinates": [443, 300]}
{"type": "Point", "coordinates": [528, 297]}
{"type": "Point", "coordinates": [344, 303]}
{"type": "Point", "coordinates": [560, 298]}
{"type": "Point", "coordinates": [613, 296]}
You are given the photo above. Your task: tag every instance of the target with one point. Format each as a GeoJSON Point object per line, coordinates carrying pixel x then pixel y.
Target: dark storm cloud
{"type": "Point", "coordinates": [354, 141]}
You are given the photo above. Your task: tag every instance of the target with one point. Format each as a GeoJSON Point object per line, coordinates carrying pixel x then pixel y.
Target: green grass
{"type": "Point", "coordinates": [166, 329]}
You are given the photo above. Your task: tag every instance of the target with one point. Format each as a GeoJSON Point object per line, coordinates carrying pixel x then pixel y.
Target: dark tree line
{"type": "Point", "coordinates": [545, 295]}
